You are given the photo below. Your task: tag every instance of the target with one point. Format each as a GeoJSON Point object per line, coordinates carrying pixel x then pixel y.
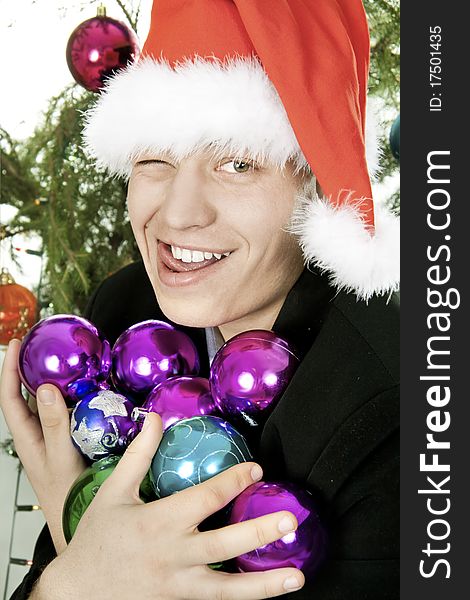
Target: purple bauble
{"type": "Point", "coordinates": [68, 352]}
{"type": "Point", "coordinates": [304, 549]}
{"type": "Point", "coordinates": [179, 398]}
{"type": "Point", "coordinates": [98, 48]}
{"type": "Point", "coordinates": [101, 424]}
{"type": "Point", "coordinates": [147, 354]}
{"type": "Point", "coordinates": [249, 373]}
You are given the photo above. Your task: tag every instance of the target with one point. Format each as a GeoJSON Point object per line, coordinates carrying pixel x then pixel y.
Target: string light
{"type": "Point", "coordinates": [21, 561]}
{"type": "Point", "coordinates": [13, 560]}
{"type": "Point", "coordinates": [27, 507]}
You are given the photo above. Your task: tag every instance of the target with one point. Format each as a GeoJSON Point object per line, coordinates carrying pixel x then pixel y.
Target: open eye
{"type": "Point", "coordinates": [237, 165]}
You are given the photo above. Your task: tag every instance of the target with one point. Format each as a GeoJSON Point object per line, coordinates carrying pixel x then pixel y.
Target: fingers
{"type": "Point", "coordinates": [231, 541]}
{"type": "Point", "coordinates": [135, 463]}
{"type": "Point", "coordinates": [55, 422]}
{"type": "Point", "coordinates": [21, 422]}
{"type": "Point", "coordinates": [252, 586]}
{"type": "Point", "coordinates": [199, 502]}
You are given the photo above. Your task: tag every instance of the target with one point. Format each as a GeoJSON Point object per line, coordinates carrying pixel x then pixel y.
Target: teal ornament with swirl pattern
{"type": "Point", "coordinates": [194, 450]}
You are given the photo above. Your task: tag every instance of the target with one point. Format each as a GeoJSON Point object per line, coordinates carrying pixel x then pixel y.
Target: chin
{"type": "Point", "coordinates": [190, 316]}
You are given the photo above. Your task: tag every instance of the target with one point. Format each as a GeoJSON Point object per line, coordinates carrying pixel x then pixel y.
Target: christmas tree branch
{"type": "Point", "coordinates": [132, 20]}
{"type": "Point", "coordinates": [68, 251]}
{"type": "Point", "coordinates": [137, 14]}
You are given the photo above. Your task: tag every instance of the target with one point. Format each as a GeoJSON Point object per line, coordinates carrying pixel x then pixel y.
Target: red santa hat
{"type": "Point", "coordinates": [274, 81]}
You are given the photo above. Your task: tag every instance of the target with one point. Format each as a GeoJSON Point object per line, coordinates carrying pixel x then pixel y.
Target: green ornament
{"type": "Point", "coordinates": [395, 138]}
{"type": "Point", "coordinates": [85, 488]}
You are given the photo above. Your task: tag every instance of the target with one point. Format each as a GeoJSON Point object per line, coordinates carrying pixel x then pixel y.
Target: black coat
{"type": "Point", "coordinates": [334, 431]}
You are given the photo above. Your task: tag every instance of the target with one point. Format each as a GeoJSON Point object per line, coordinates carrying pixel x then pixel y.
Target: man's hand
{"type": "Point", "coordinates": [43, 442]}
{"type": "Point", "coordinates": [123, 548]}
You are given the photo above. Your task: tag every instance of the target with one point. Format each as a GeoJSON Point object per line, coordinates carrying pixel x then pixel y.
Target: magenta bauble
{"type": "Point", "coordinates": [67, 351]}
{"type": "Point", "coordinates": [98, 48]}
{"type": "Point", "coordinates": [304, 548]}
{"type": "Point", "coordinates": [249, 374]}
{"type": "Point", "coordinates": [180, 398]}
{"type": "Point", "coordinates": [147, 354]}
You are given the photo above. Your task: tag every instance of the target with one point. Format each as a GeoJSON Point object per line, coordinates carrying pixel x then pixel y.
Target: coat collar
{"type": "Point", "coordinates": [304, 309]}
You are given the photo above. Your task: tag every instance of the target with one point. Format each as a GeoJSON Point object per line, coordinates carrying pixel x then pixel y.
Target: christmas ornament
{"type": "Point", "coordinates": [395, 138]}
{"type": "Point", "coordinates": [148, 353]}
{"type": "Point", "coordinates": [85, 488]}
{"type": "Point", "coordinates": [248, 375]}
{"type": "Point", "coordinates": [178, 398]}
{"type": "Point", "coordinates": [305, 548]}
{"type": "Point", "coordinates": [194, 450]}
{"type": "Point", "coordinates": [101, 424]}
{"type": "Point", "coordinates": [66, 351]}
{"type": "Point", "coordinates": [98, 48]}
{"type": "Point", "coordinates": [17, 308]}
{"type": "Point", "coordinates": [82, 387]}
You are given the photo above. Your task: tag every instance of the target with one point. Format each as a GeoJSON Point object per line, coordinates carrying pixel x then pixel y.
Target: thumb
{"type": "Point", "coordinates": [135, 463]}
{"type": "Point", "coordinates": [54, 418]}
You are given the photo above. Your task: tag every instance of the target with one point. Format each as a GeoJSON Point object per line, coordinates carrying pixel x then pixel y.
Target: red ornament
{"type": "Point", "coordinates": [17, 309]}
{"type": "Point", "coordinates": [98, 48]}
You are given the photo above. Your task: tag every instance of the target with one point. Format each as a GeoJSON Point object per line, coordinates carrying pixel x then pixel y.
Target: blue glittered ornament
{"type": "Point", "coordinates": [194, 450]}
{"type": "Point", "coordinates": [101, 424]}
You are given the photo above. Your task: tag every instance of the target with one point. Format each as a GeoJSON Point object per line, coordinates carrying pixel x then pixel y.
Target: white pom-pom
{"type": "Point", "coordinates": [335, 239]}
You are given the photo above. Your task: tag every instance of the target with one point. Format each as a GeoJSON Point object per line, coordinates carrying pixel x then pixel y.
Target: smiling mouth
{"type": "Point", "coordinates": [181, 260]}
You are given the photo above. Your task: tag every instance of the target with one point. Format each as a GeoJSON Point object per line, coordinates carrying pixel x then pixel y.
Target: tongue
{"type": "Point", "coordinates": [178, 265]}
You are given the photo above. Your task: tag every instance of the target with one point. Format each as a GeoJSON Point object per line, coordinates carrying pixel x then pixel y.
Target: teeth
{"type": "Point", "coordinates": [198, 256]}
{"type": "Point", "coordinates": [176, 252]}
{"type": "Point", "coordinates": [188, 256]}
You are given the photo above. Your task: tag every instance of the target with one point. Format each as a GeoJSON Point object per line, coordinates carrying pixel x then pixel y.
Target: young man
{"type": "Point", "coordinates": [245, 147]}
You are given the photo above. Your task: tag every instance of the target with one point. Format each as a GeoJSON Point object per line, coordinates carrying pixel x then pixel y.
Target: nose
{"type": "Point", "coordinates": [187, 203]}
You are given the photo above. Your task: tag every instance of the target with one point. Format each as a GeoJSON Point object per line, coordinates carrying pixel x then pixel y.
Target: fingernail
{"type": "Point", "coordinates": [286, 524]}
{"type": "Point", "coordinates": [291, 584]}
{"type": "Point", "coordinates": [146, 423]}
{"type": "Point", "coordinates": [46, 396]}
{"type": "Point", "coordinates": [11, 343]}
{"type": "Point", "coordinates": [256, 473]}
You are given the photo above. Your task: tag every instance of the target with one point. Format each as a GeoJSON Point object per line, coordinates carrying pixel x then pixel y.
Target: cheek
{"type": "Point", "coordinates": [141, 205]}
{"type": "Point", "coordinates": [139, 215]}
{"type": "Point", "coordinates": [264, 224]}
{"type": "Point", "coordinates": [137, 223]}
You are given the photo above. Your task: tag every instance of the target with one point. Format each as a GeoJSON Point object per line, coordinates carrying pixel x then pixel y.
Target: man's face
{"type": "Point", "coordinates": [210, 232]}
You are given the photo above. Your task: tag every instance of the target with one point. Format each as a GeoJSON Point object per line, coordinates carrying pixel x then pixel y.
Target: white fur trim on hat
{"type": "Point", "coordinates": [151, 107]}
{"type": "Point", "coordinates": [335, 239]}
{"type": "Point", "coordinates": [231, 107]}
